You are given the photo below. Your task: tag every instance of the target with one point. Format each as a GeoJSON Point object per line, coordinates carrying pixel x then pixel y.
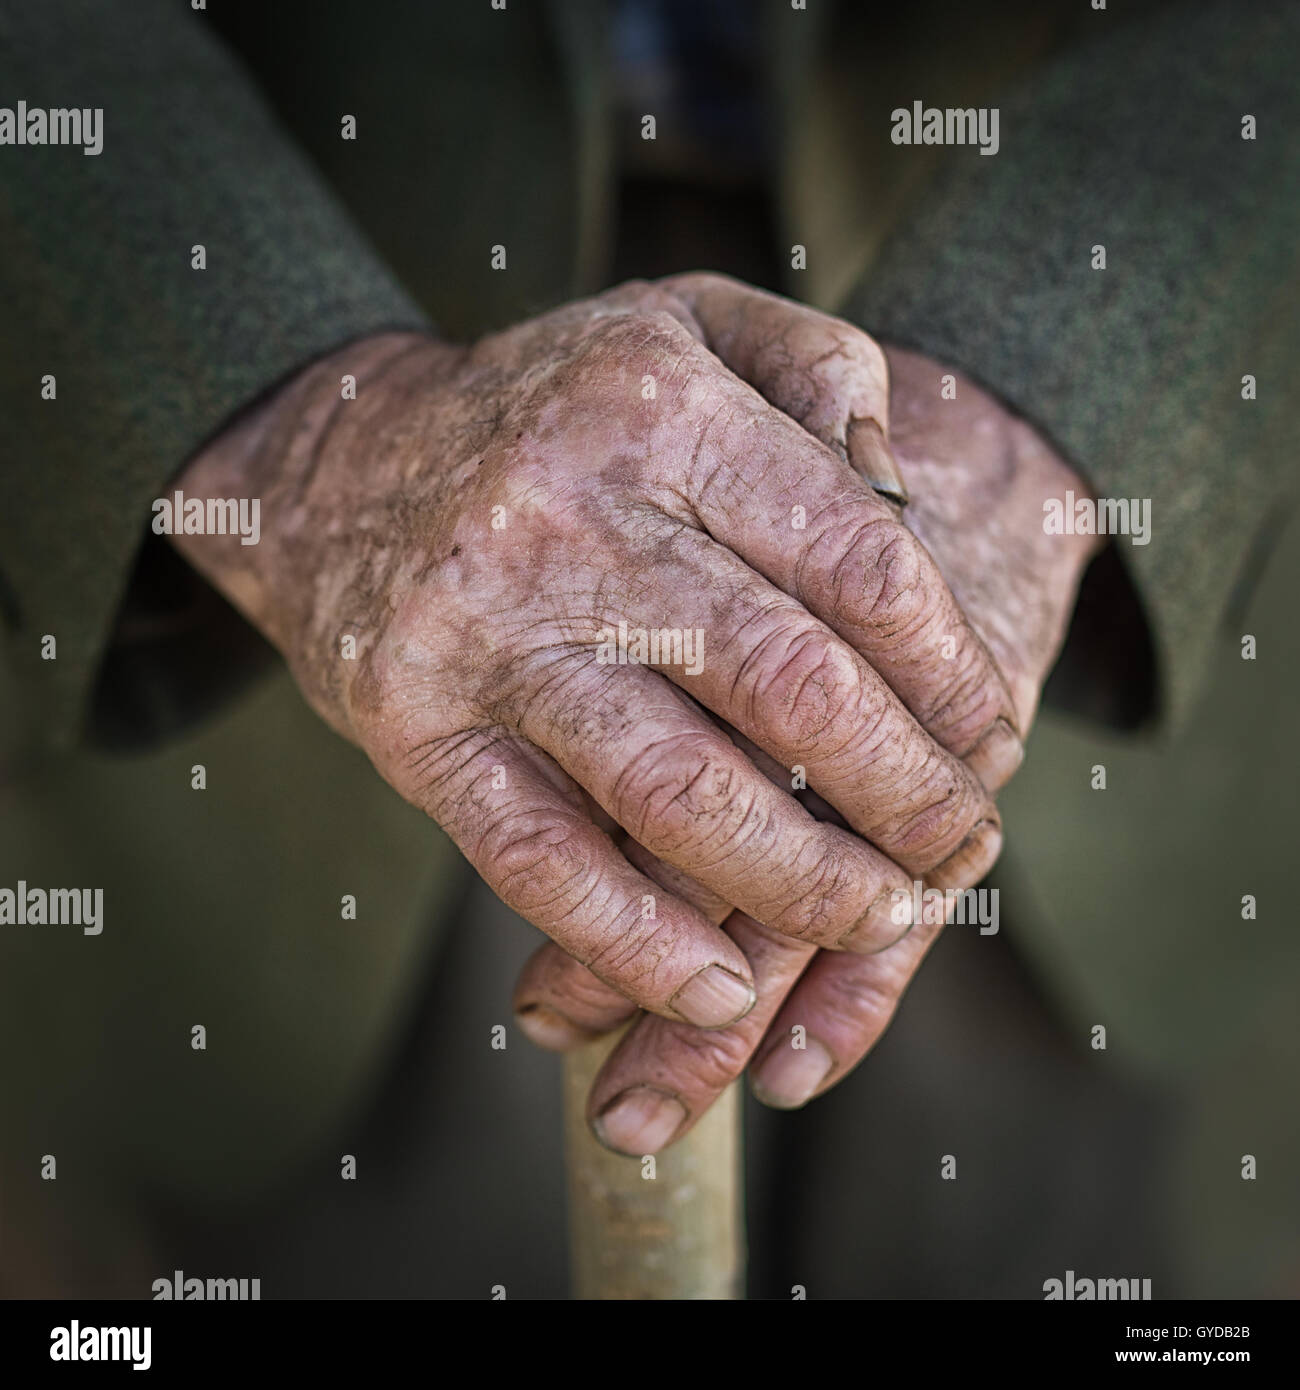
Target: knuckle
{"type": "Point", "coordinates": [560, 687]}
{"type": "Point", "coordinates": [646, 338]}
{"type": "Point", "coordinates": [538, 865]}
{"type": "Point", "coordinates": [964, 703]}
{"type": "Point", "coordinates": [895, 597]}
{"type": "Point", "coordinates": [939, 817]}
{"type": "Point", "coordinates": [628, 337]}
{"type": "Point", "coordinates": [872, 569]}
{"type": "Point", "coordinates": [709, 1059]}
{"type": "Point", "coordinates": [801, 685]}
{"type": "Point", "coordinates": [633, 290]}
{"type": "Point", "coordinates": [701, 280]}
{"type": "Point", "coordinates": [860, 996]}
{"type": "Point", "coordinates": [868, 353]}
{"type": "Point", "coordinates": [681, 795]}
{"type": "Point", "coordinates": [830, 895]}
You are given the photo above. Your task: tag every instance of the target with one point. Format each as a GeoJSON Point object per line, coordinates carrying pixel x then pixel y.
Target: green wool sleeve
{"type": "Point", "coordinates": [1171, 147]}
{"type": "Point", "coordinates": [120, 355]}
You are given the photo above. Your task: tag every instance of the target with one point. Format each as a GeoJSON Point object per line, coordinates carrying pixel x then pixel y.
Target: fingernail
{"type": "Point", "coordinates": [713, 998]}
{"type": "Point", "coordinates": [996, 756]}
{"type": "Point", "coordinates": [641, 1120]}
{"type": "Point", "coordinates": [549, 1029]}
{"type": "Point", "coordinates": [884, 924]}
{"type": "Point", "coordinates": [971, 861]}
{"type": "Point", "coordinates": [789, 1077]}
{"type": "Point", "coordinates": [871, 456]}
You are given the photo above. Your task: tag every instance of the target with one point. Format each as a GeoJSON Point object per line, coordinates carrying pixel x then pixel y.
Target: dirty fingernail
{"type": "Point", "coordinates": [713, 998]}
{"type": "Point", "coordinates": [789, 1077]}
{"type": "Point", "coordinates": [996, 756]}
{"type": "Point", "coordinates": [641, 1120]}
{"type": "Point", "coordinates": [871, 457]}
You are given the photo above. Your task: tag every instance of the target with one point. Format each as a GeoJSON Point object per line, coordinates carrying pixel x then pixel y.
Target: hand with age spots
{"type": "Point", "coordinates": [978, 478]}
{"type": "Point", "coordinates": [440, 555]}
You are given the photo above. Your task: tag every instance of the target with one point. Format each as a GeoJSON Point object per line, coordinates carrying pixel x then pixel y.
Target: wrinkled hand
{"type": "Point", "coordinates": [978, 478]}
{"type": "Point", "coordinates": [441, 556]}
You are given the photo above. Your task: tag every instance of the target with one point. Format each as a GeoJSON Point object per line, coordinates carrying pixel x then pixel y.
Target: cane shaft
{"type": "Point", "coordinates": [676, 1234]}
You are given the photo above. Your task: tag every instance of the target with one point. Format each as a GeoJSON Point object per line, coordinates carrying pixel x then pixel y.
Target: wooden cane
{"type": "Point", "coordinates": [671, 1228]}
